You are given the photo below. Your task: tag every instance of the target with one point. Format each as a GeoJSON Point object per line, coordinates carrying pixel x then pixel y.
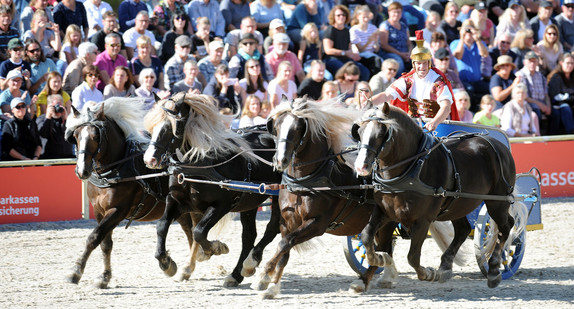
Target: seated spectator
{"type": "Point", "coordinates": [145, 59]}
{"type": "Point", "coordinates": [282, 85]}
{"type": "Point", "coordinates": [549, 49]}
{"type": "Point", "coordinates": [517, 118]}
{"type": "Point", "coordinates": [385, 78]}
{"type": "Point", "coordinates": [165, 12]}
{"type": "Point", "coordinates": [346, 80]}
{"type": "Point", "coordinates": [40, 65]}
{"type": "Point", "coordinates": [250, 114]}
{"type": "Point", "coordinates": [485, 26]}
{"type": "Point", "coordinates": [442, 62]}
{"type": "Point", "coordinates": [52, 129]}
{"type": "Point", "coordinates": [438, 41]}
{"type": "Point", "coordinates": [523, 43]}
{"type": "Point", "coordinates": [503, 42]}
{"type": "Point", "coordinates": [337, 43]}
{"type": "Point", "coordinates": [109, 60]}
{"type": "Point", "coordinates": [362, 99]}
{"type": "Point", "coordinates": [121, 84]}
{"type": "Point", "coordinates": [513, 19]}
{"type": "Point", "coordinates": [311, 48]}
{"type": "Point", "coordinates": [248, 25]}
{"type": "Point", "coordinates": [87, 53]}
{"type": "Point", "coordinates": [248, 49]}
{"type": "Point", "coordinates": [7, 32]}
{"type": "Point", "coordinates": [462, 100]}
{"type": "Point", "coordinates": [87, 91]}
{"type": "Point", "coordinates": [147, 90]}
{"type": "Point", "coordinates": [328, 91]}
{"type": "Point", "coordinates": [365, 39]}
{"type": "Point", "coordinates": [305, 12]}
{"type": "Point", "coordinates": [139, 29]}
{"type": "Point", "coordinates": [432, 25]}
{"type": "Point", "coordinates": [395, 41]}
{"type": "Point", "coordinates": [45, 32]}
{"type": "Point", "coordinates": [29, 11]}
{"type": "Point", "coordinates": [200, 40]}
{"type": "Point", "coordinates": [72, 41]}
{"type": "Point", "coordinates": [20, 137]}
{"type": "Point", "coordinates": [544, 18]}
{"type": "Point", "coordinates": [190, 83]}
{"type": "Point", "coordinates": [173, 69]}
{"type": "Point", "coordinates": [15, 62]}
{"type": "Point", "coordinates": [14, 80]}
{"type": "Point", "coordinates": [110, 26]}
{"type": "Point", "coordinates": [450, 25]}
{"type": "Point", "coordinates": [264, 11]}
{"type": "Point", "coordinates": [210, 10]}
{"type": "Point", "coordinates": [564, 22]}
{"type": "Point", "coordinates": [208, 64]}
{"type": "Point", "coordinates": [233, 12]}
{"type": "Point", "coordinates": [180, 22]}
{"type": "Point", "coordinates": [224, 89]}
{"type": "Point", "coordinates": [502, 83]}
{"type": "Point", "coordinates": [128, 10]}
{"type": "Point", "coordinates": [561, 90]}
{"type": "Point", "coordinates": [312, 85]}
{"type": "Point", "coordinates": [53, 87]}
{"type": "Point", "coordinates": [280, 53]}
{"type": "Point", "coordinates": [485, 115]}
{"type": "Point", "coordinates": [253, 83]}
{"type": "Point", "coordinates": [275, 26]}
{"type": "Point", "coordinates": [95, 10]}
{"type": "Point", "coordinates": [71, 12]}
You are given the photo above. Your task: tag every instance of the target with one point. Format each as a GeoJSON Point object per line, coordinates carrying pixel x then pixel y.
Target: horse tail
{"type": "Point", "coordinates": [443, 233]}
{"type": "Point", "coordinates": [221, 226]}
{"type": "Point", "coordinates": [519, 211]}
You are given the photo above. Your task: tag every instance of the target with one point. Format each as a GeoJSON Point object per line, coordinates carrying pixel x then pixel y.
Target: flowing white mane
{"type": "Point", "coordinates": [206, 134]}
{"type": "Point", "coordinates": [128, 113]}
{"type": "Point", "coordinates": [325, 119]}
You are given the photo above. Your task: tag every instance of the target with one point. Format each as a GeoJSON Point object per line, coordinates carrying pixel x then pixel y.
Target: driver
{"type": "Point", "coordinates": [424, 91]}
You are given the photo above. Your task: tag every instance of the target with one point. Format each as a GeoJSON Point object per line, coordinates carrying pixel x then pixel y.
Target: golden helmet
{"type": "Point", "coordinates": [420, 53]}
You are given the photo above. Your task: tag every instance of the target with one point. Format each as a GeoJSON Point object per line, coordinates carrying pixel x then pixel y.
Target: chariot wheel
{"type": "Point", "coordinates": [355, 254]}
{"type": "Point", "coordinates": [511, 256]}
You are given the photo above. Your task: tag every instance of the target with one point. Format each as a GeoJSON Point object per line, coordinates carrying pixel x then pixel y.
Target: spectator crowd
{"type": "Point", "coordinates": [510, 62]}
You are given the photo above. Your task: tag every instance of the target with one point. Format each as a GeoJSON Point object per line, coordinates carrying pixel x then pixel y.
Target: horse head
{"type": "Point", "coordinates": [167, 135]}
{"type": "Point", "coordinates": [291, 132]}
{"type": "Point", "coordinates": [373, 132]}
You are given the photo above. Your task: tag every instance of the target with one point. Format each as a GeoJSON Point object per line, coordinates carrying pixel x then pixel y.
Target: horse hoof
{"type": "Point", "coordinates": [101, 284]}
{"type": "Point", "coordinates": [74, 278]}
{"type": "Point", "coordinates": [201, 256]}
{"type": "Point", "coordinates": [445, 275]}
{"type": "Point", "coordinates": [357, 286]}
{"type": "Point", "coordinates": [230, 282]}
{"type": "Point", "coordinates": [249, 265]}
{"type": "Point", "coordinates": [383, 284]}
{"type": "Point", "coordinates": [171, 268]}
{"type": "Point", "coordinates": [494, 282]}
{"type": "Point", "coordinates": [219, 248]}
{"type": "Point", "coordinates": [271, 292]}
{"type": "Point", "coordinates": [186, 274]}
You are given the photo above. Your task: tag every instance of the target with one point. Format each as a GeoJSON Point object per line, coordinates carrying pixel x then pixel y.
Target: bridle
{"type": "Point", "coordinates": [369, 148]}
{"type": "Point", "coordinates": [102, 127]}
{"type": "Point", "coordinates": [180, 122]}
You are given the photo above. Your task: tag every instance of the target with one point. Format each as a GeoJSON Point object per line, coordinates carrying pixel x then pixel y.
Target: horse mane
{"type": "Point", "coordinates": [127, 113]}
{"type": "Point", "coordinates": [206, 134]}
{"type": "Point", "coordinates": [326, 119]}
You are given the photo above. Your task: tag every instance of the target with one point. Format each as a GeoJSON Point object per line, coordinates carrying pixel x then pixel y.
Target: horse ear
{"type": "Point", "coordinates": [99, 114]}
{"type": "Point", "coordinates": [76, 112]}
{"type": "Point", "coordinates": [156, 98]}
{"type": "Point", "coordinates": [355, 132]}
{"type": "Point", "coordinates": [386, 108]}
{"type": "Point", "coordinates": [69, 136]}
{"type": "Point", "coordinates": [270, 124]}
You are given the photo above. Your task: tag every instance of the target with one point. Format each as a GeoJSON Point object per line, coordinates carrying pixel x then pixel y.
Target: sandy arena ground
{"type": "Point", "coordinates": [35, 258]}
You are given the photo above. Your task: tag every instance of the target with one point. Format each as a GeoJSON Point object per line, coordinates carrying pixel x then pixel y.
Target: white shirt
{"type": "Point", "coordinates": [83, 94]}
{"type": "Point", "coordinates": [131, 35]}
{"type": "Point", "coordinates": [95, 15]}
{"type": "Point", "coordinates": [421, 88]}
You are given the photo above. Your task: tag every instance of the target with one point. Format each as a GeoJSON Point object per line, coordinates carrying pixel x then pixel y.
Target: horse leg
{"type": "Point", "coordinates": [172, 211]}
{"type": "Point", "coordinates": [385, 244]}
{"type": "Point", "coordinates": [498, 211]}
{"type": "Point", "coordinates": [193, 258]}
{"type": "Point", "coordinates": [368, 238]}
{"type": "Point", "coordinates": [272, 229]}
{"type": "Point", "coordinates": [247, 241]}
{"type": "Point", "coordinates": [461, 231]}
{"type": "Point", "coordinates": [106, 223]}
{"type": "Point", "coordinates": [187, 222]}
{"type": "Point", "coordinates": [106, 246]}
{"type": "Point", "coordinates": [211, 216]}
{"type": "Point", "coordinates": [419, 231]}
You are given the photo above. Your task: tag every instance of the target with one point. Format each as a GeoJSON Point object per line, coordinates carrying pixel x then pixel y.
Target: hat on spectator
{"type": "Point", "coordinates": [276, 23]}
{"type": "Point", "coordinates": [460, 3]}
{"type": "Point", "coordinates": [183, 40]}
{"type": "Point", "coordinates": [280, 38]}
{"type": "Point", "coordinates": [14, 43]}
{"type": "Point", "coordinates": [15, 102]}
{"type": "Point", "coordinates": [14, 74]}
{"type": "Point", "coordinates": [568, 2]}
{"type": "Point", "coordinates": [441, 53]}
{"type": "Point", "coordinates": [502, 60]}
{"type": "Point", "coordinates": [545, 4]}
{"type": "Point", "coordinates": [480, 6]}
{"type": "Point", "coordinates": [248, 36]}
{"type": "Point", "coordinates": [530, 55]}
{"type": "Point", "coordinates": [517, 2]}
{"type": "Point", "coordinates": [215, 44]}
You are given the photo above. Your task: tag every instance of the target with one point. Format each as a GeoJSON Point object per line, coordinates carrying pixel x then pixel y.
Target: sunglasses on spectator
{"type": "Point", "coordinates": [570, 6]}
{"type": "Point", "coordinates": [20, 106]}
{"type": "Point", "coordinates": [92, 75]}
{"type": "Point", "coordinates": [249, 43]}
{"type": "Point", "coordinates": [17, 49]}
{"type": "Point", "coordinates": [37, 50]}
{"type": "Point", "coordinates": [115, 45]}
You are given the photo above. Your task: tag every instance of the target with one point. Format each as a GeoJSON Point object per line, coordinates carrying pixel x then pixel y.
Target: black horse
{"type": "Point", "coordinates": [109, 149]}
{"type": "Point", "coordinates": [211, 152]}
{"type": "Point", "coordinates": [421, 179]}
